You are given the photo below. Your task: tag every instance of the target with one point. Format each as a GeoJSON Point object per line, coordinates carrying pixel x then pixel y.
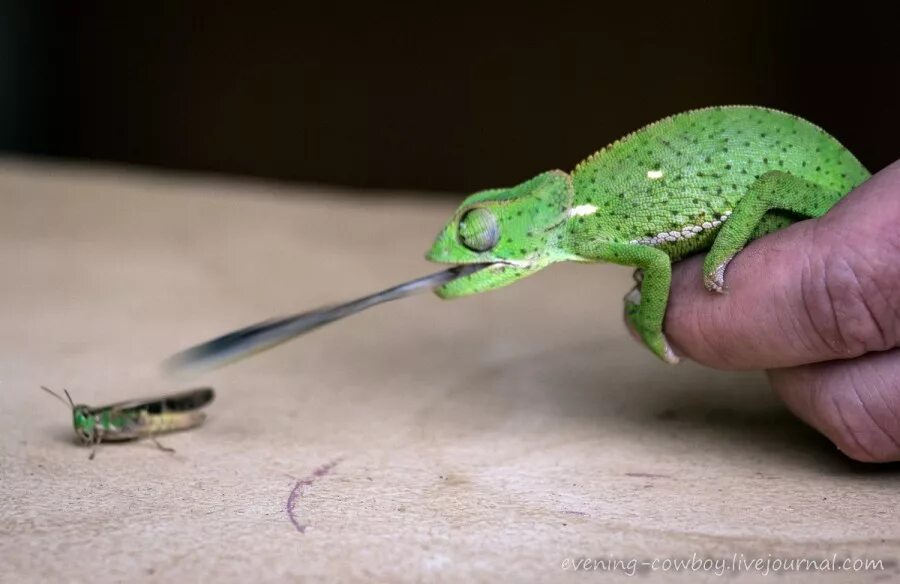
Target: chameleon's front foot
{"type": "Point", "coordinates": [652, 337]}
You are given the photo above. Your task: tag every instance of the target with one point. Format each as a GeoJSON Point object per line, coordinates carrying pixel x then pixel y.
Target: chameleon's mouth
{"type": "Point", "coordinates": [478, 277]}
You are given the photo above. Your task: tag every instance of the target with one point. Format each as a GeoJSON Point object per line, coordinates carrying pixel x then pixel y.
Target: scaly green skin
{"type": "Point", "coordinates": [709, 179]}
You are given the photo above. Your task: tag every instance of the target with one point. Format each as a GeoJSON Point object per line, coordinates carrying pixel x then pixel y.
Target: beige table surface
{"type": "Point", "coordinates": [489, 438]}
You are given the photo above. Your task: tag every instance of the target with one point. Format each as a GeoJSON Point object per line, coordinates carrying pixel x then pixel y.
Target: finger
{"type": "Point", "coordinates": [855, 403]}
{"type": "Point", "coordinates": [822, 289]}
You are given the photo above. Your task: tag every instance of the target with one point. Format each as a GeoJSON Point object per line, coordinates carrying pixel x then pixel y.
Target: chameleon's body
{"type": "Point", "coordinates": [709, 179]}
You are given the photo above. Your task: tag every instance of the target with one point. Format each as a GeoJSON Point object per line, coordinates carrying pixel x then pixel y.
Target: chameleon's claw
{"type": "Point", "coordinates": [715, 280]}
{"type": "Point", "coordinates": [669, 355]}
{"type": "Point", "coordinates": [658, 345]}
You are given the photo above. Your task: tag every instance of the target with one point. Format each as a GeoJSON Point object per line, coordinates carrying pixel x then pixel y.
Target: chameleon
{"type": "Point", "coordinates": [142, 418]}
{"type": "Point", "coordinates": [708, 179]}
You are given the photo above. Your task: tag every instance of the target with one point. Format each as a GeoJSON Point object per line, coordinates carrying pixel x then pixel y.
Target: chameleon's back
{"type": "Point", "coordinates": [672, 183]}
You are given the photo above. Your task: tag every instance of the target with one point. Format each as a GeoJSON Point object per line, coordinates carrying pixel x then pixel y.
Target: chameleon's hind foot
{"type": "Point", "coordinates": [714, 280]}
{"type": "Point", "coordinates": [759, 212]}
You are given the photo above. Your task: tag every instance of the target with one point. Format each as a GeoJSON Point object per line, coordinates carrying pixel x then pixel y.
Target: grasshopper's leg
{"type": "Point", "coordinates": [160, 446]}
{"type": "Point", "coordinates": [757, 213]}
{"type": "Point", "coordinates": [645, 305]}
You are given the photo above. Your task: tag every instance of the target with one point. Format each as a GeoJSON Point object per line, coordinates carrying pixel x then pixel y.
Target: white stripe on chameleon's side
{"type": "Point", "coordinates": [582, 210]}
{"type": "Point", "coordinates": [685, 232]}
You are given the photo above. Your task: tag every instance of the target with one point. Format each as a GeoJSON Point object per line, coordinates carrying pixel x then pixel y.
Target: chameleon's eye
{"type": "Point", "coordinates": [478, 229]}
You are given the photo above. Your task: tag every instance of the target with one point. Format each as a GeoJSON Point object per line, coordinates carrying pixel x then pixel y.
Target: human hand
{"type": "Point", "coordinates": [818, 306]}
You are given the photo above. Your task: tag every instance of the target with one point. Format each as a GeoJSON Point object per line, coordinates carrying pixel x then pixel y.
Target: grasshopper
{"type": "Point", "coordinates": [136, 419]}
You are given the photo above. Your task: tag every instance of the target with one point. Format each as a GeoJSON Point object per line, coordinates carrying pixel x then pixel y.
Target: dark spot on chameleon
{"type": "Point", "coordinates": [743, 171]}
{"type": "Point", "coordinates": [509, 240]}
{"type": "Point", "coordinates": [719, 191]}
{"type": "Point", "coordinates": [696, 201]}
{"type": "Point", "coordinates": [818, 149]}
{"type": "Point", "coordinates": [762, 135]}
{"type": "Point", "coordinates": [843, 175]}
{"type": "Point", "coordinates": [727, 167]}
{"type": "Point", "coordinates": [621, 195]}
{"type": "Point", "coordinates": [522, 250]}
{"type": "Point", "coordinates": [581, 219]}
{"type": "Point", "coordinates": [701, 174]}
{"type": "Point", "coordinates": [765, 161]}
{"type": "Point", "coordinates": [707, 160]}
{"type": "Point", "coordinates": [518, 213]}
{"type": "Point", "coordinates": [531, 233]}
{"type": "Point", "coordinates": [734, 186]}
{"type": "Point", "coordinates": [818, 168]}
{"type": "Point", "coordinates": [781, 163]}
{"type": "Point", "coordinates": [725, 150]}
{"type": "Point", "coordinates": [803, 163]}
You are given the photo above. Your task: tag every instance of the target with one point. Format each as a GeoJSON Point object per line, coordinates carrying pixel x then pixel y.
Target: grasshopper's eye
{"type": "Point", "coordinates": [478, 229]}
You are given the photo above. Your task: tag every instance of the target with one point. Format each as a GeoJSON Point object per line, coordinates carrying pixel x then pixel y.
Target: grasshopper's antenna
{"type": "Point", "coordinates": [71, 403]}
{"type": "Point", "coordinates": [57, 396]}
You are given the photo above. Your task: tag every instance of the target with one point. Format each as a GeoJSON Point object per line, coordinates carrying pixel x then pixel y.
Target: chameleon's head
{"type": "Point", "coordinates": [84, 424]}
{"type": "Point", "coordinates": [513, 232]}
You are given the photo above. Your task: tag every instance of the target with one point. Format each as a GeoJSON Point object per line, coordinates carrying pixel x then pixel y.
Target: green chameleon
{"type": "Point", "coordinates": [709, 179]}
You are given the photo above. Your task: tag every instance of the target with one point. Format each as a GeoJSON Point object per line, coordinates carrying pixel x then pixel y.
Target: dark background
{"type": "Point", "coordinates": [433, 96]}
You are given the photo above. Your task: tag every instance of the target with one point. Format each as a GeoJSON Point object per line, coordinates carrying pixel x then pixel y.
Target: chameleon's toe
{"type": "Point", "coordinates": [715, 279]}
{"type": "Point", "coordinates": [660, 347]}
{"type": "Point", "coordinates": [665, 351]}
{"type": "Point", "coordinates": [655, 341]}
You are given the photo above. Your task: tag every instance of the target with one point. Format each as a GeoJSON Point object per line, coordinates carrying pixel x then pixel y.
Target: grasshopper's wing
{"type": "Point", "coordinates": [184, 401]}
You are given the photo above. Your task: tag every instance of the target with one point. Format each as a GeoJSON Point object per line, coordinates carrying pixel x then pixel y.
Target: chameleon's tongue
{"type": "Point", "coordinates": [265, 335]}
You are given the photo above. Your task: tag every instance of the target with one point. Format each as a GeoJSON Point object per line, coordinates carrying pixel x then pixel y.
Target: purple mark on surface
{"type": "Point", "coordinates": [579, 513]}
{"type": "Point", "coordinates": [298, 490]}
